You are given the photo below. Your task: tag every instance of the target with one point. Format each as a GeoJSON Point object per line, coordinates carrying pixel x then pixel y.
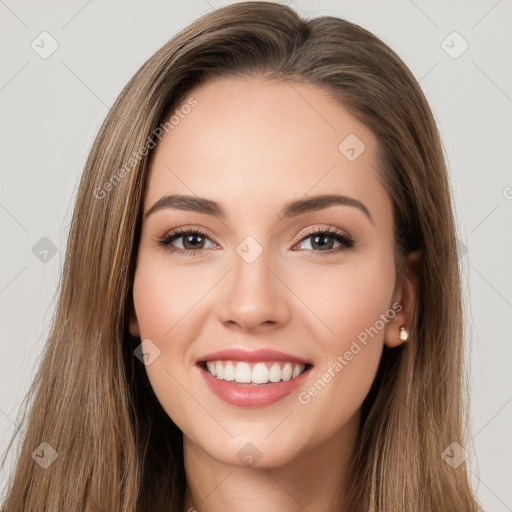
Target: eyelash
{"type": "Point", "coordinates": [344, 238]}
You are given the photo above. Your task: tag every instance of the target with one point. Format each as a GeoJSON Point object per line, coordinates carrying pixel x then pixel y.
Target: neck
{"type": "Point", "coordinates": [314, 479]}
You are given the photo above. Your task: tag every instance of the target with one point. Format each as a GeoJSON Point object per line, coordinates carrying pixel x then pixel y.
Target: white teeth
{"type": "Point", "coordinates": [229, 371]}
{"type": "Point", "coordinates": [212, 368]}
{"type": "Point", "coordinates": [286, 372]}
{"type": "Point", "coordinates": [260, 373]}
{"type": "Point", "coordinates": [275, 373]}
{"type": "Point", "coordinates": [219, 370]}
{"type": "Point", "coordinates": [242, 372]}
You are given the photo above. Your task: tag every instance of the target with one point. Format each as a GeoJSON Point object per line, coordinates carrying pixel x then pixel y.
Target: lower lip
{"type": "Point", "coordinates": [252, 395]}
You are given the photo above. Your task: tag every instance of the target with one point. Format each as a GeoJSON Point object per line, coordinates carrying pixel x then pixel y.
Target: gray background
{"type": "Point", "coordinates": [52, 108]}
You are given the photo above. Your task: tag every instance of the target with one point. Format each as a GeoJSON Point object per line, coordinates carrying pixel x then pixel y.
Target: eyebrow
{"type": "Point", "coordinates": [290, 209]}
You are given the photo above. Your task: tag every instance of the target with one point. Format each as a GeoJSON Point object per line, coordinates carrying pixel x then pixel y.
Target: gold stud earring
{"type": "Point", "coordinates": [403, 335]}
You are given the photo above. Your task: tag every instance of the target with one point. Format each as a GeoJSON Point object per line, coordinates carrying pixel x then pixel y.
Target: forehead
{"type": "Point", "coordinates": [253, 142]}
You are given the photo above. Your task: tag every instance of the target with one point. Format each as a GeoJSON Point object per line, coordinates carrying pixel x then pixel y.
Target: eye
{"type": "Point", "coordinates": [190, 242]}
{"type": "Point", "coordinates": [324, 240]}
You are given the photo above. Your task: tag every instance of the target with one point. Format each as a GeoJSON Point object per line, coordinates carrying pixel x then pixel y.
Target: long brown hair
{"type": "Point", "coordinates": [91, 399]}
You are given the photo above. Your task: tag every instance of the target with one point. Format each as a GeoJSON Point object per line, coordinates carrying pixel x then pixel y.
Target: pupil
{"type": "Point", "coordinates": [323, 238]}
{"type": "Point", "coordinates": [189, 238]}
{"type": "Point", "coordinates": [320, 241]}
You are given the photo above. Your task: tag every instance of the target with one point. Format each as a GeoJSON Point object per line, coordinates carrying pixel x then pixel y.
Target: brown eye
{"type": "Point", "coordinates": [186, 241]}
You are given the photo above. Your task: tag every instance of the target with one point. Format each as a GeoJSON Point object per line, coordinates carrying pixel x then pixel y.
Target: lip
{"type": "Point", "coordinates": [251, 356]}
{"type": "Point", "coordinates": [253, 395]}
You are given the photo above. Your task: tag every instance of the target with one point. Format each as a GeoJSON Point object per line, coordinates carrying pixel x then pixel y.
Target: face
{"type": "Point", "coordinates": [286, 300]}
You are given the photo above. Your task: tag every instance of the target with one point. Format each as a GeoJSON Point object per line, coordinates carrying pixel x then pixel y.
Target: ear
{"type": "Point", "coordinates": [133, 323]}
{"type": "Point", "coordinates": [405, 294]}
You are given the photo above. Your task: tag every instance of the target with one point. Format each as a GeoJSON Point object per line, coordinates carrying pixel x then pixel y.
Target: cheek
{"type": "Point", "coordinates": [350, 299]}
{"type": "Point", "coordinates": [334, 305]}
{"type": "Point", "coordinates": [172, 304]}
{"type": "Point", "coordinates": [167, 301]}
{"type": "Point", "coordinates": [346, 298]}
{"type": "Point", "coordinates": [165, 296]}
{"type": "Point", "coordinates": [352, 302]}
{"type": "Point", "coordinates": [331, 308]}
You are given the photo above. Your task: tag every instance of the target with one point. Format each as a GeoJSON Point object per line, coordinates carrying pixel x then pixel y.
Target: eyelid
{"type": "Point", "coordinates": [182, 231]}
{"type": "Point", "coordinates": [187, 229]}
{"type": "Point", "coordinates": [346, 242]}
{"type": "Point", "coordinates": [307, 232]}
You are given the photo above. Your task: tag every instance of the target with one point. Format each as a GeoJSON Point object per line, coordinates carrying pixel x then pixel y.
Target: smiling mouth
{"type": "Point", "coordinates": [254, 373]}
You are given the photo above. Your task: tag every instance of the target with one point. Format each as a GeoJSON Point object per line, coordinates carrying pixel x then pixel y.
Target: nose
{"type": "Point", "coordinates": [253, 298]}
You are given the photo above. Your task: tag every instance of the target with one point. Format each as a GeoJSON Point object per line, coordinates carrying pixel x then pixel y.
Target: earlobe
{"type": "Point", "coordinates": [403, 334]}
{"type": "Point", "coordinates": [396, 333]}
{"type": "Point", "coordinates": [398, 329]}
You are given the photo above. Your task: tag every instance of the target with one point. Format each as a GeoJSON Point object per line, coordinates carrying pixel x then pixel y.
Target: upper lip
{"type": "Point", "coordinates": [241, 354]}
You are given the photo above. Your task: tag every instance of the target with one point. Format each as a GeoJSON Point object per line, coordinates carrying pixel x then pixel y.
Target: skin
{"type": "Point", "coordinates": [252, 145]}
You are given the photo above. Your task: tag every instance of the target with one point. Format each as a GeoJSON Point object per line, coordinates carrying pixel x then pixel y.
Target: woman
{"type": "Point", "coordinates": [260, 302]}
